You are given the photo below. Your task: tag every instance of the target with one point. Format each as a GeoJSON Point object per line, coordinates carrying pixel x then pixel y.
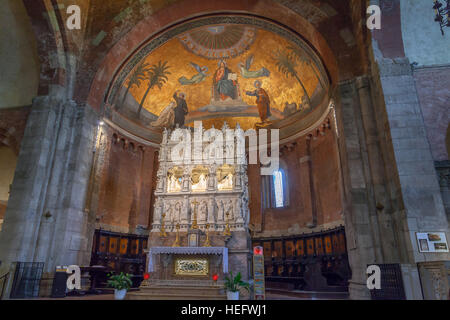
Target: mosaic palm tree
{"type": "Point", "coordinates": [287, 65]}
{"type": "Point", "coordinates": [136, 77]}
{"type": "Point", "coordinates": [303, 58]}
{"type": "Point", "coordinates": [157, 76]}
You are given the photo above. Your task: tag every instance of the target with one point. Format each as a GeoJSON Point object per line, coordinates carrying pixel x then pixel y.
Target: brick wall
{"type": "Point", "coordinates": [126, 186]}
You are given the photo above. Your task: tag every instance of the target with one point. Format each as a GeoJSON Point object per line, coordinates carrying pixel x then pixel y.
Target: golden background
{"type": "Point", "coordinates": [280, 88]}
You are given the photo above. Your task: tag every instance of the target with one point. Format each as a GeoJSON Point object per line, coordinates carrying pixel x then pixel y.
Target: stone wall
{"type": "Point", "coordinates": [424, 44]}
{"type": "Point", "coordinates": [434, 96]}
{"type": "Point", "coordinates": [18, 54]}
{"type": "Point", "coordinates": [12, 126]}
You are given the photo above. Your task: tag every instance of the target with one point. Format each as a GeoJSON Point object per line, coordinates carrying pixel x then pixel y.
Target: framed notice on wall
{"type": "Point", "coordinates": [432, 242]}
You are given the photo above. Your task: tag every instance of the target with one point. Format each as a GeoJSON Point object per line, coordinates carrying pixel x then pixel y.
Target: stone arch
{"type": "Point", "coordinates": [119, 55]}
{"type": "Point", "coordinates": [52, 43]}
{"type": "Point", "coordinates": [18, 51]}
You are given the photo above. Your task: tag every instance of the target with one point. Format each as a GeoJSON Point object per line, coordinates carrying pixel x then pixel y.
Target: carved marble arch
{"type": "Point", "coordinates": [174, 179]}
{"type": "Point", "coordinates": [199, 179]}
{"type": "Point", "coordinates": [225, 177]}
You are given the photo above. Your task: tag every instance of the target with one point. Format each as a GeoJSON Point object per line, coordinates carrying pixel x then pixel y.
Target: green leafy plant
{"type": "Point", "coordinates": [120, 281]}
{"type": "Point", "coordinates": [234, 284]}
{"type": "Point", "coordinates": [303, 58]}
{"type": "Point", "coordinates": [157, 76]}
{"type": "Point", "coordinates": [287, 65]}
{"type": "Point", "coordinates": [137, 76]}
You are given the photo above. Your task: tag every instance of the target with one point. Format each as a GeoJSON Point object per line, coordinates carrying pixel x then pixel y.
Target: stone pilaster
{"type": "Point", "coordinates": [420, 190]}
{"type": "Point", "coordinates": [45, 220]}
{"type": "Point", "coordinates": [434, 280]}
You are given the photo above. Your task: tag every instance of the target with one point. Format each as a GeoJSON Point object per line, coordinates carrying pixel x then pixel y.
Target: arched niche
{"type": "Point", "coordinates": [174, 179]}
{"type": "Point", "coordinates": [225, 177]}
{"type": "Point", "coordinates": [199, 179]}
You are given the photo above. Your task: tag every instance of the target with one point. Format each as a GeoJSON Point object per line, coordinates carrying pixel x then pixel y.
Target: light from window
{"type": "Point", "coordinates": [278, 186]}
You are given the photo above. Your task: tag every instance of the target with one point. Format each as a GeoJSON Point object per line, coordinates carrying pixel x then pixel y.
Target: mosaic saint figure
{"type": "Point", "coordinates": [166, 118]}
{"type": "Point", "coordinates": [181, 110]}
{"type": "Point", "coordinates": [262, 101]}
{"type": "Point", "coordinates": [224, 87]}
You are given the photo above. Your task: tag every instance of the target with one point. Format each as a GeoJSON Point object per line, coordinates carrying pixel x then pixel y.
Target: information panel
{"type": "Point", "coordinates": [432, 242]}
{"type": "Point", "coordinates": [258, 274]}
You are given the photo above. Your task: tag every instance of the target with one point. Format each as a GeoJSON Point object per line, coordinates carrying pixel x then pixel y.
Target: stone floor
{"type": "Point", "coordinates": [278, 295]}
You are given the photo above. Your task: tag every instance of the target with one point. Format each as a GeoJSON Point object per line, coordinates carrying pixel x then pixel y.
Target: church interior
{"type": "Point", "coordinates": [183, 142]}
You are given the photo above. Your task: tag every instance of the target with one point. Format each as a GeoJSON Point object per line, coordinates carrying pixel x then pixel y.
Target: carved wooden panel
{"type": "Point", "coordinates": [300, 247]}
{"type": "Point", "coordinates": [319, 246]}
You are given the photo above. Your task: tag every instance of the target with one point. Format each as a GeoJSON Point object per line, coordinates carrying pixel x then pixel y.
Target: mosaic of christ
{"type": "Point", "coordinates": [233, 73]}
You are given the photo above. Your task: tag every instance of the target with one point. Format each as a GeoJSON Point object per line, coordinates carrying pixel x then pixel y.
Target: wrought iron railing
{"type": "Point", "coordinates": [391, 283]}
{"type": "Point", "coordinates": [27, 279]}
{"type": "Point", "coordinates": [3, 282]}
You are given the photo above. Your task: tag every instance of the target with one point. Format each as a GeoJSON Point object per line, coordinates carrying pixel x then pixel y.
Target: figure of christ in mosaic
{"type": "Point", "coordinates": [224, 83]}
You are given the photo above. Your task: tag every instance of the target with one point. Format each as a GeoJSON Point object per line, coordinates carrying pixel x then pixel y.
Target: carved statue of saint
{"type": "Point", "coordinates": [230, 209]}
{"type": "Point", "coordinates": [173, 184]}
{"type": "Point", "coordinates": [226, 183]}
{"type": "Point", "coordinates": [201, 184]}
{"type": "Point", "coordinates": [178, 207]}
{"type": "Point", "coordinates": [220, 213]}
{"type": "Point", "coordinates": [203, 211]}
{"type": "Point", "coordinates": [170, 214]}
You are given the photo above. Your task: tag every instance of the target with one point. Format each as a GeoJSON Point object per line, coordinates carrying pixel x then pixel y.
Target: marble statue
{"type": "Point", "coordinates": [226, 183]}
{"type": "Point", "coordinates": [173, 185]}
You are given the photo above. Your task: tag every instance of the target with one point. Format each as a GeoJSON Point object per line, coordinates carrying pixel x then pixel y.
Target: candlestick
{"type": "Point", "coordinates": [227, 231]}
{"type": "Point", "coordinates": [162, 232]}
{"type": "Point", "coordinates": [177, 239]}
{"type": "Point", "coordinates": [207, 242]}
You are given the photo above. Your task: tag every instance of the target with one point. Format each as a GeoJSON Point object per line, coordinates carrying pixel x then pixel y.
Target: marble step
{"type": "Point", "coordinates": [177, 293]}
{"type": "Point", "coordinates": [199, 290]}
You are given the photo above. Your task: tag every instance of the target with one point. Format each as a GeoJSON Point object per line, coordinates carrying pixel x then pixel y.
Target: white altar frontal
{"type": "Point", "coordinates": [200, 218]}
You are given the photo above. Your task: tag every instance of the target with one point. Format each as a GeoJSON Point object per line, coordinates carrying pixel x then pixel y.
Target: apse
{"type": "Point", "coordinates": [217, 65]}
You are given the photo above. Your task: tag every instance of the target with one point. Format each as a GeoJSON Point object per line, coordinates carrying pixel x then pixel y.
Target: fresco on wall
{"type": "Point", "coordinates": [233, 73]}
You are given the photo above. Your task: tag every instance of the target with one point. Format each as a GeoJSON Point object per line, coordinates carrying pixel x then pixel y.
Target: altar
{"type": "Point", "coordinates": [200, 224]}
{"type": "Point", "coordinates": [188, 261]}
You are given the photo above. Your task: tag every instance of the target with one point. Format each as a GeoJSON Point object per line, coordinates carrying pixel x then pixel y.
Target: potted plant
{"type": "Point", "coordinates": [234, 284]}
{"type": "Point", "coordinates": [121, 283]}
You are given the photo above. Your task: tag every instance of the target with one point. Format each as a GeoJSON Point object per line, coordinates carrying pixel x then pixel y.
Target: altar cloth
{"type": "Point", "coordinates": [188, 250]}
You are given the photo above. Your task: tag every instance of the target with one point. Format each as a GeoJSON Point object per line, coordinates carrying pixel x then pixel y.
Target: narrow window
{"type": "Point", "coordinates": [278, 184]}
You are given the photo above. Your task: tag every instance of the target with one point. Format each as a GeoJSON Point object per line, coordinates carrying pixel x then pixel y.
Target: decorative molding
{"type": "Point", "coordinates": [315, 126]}
{"type": "Point", "coordinates": [129, 135]}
